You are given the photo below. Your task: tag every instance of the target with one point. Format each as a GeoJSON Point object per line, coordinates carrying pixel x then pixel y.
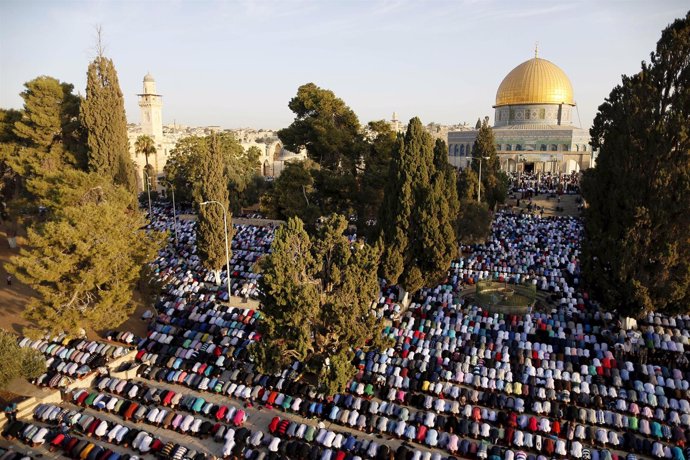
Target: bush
{"type": "Point", "coordinates": [18, 362]}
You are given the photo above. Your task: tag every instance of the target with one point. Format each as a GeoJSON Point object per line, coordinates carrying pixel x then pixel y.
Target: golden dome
{"type": "Point", "coordinates": [536, 81]}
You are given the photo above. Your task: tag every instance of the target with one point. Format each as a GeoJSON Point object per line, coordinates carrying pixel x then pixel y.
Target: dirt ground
{"type": "Point", "coordinates": [14, 298]}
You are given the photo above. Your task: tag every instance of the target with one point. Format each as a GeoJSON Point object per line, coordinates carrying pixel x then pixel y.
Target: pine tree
{"type": "Point", "coordinates": [103, 115]}
{"type": "Point", "coordinates": [212, 186]}
{"type": "Point", "coordinates": [317, 295]}
{"type": "Point", "coordinates": [419, 211]}
{"type": "Point", "coordinates": [85, 260]}
{"type": "Point", "coordinates": [46, 136]}
{"type": "Point", "coordinates": [636, 250]}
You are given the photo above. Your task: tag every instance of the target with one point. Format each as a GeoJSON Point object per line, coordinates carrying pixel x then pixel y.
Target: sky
{"type": "Point", "coordinates": [238, 63]}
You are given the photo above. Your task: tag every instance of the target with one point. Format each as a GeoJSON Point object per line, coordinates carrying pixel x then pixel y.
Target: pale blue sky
{"type": "Point", "coordinates": [238, 63]}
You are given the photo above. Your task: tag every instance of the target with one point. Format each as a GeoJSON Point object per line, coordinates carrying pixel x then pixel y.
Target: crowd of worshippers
{"type": "Point", "coordinates": [180, 263]}
{"type": "Point", "coordinates": [72, 358]}
{"type": "Point", "coordinates": [531, 184]}
{"type": "Point", "coordinates": [566, 380]}
{"type": "Point", "coordinates": [558, 383]}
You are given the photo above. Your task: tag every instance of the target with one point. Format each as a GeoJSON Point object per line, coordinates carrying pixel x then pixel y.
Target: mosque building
{"type": "Point", "coordinates": [533, 123]}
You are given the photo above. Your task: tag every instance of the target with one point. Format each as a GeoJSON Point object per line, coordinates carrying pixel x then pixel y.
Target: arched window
{"type": "Point", "coordinates": [577, 148]}
{"type": "Point", "coordinates": [584, 148]}
{"type": "Point", "coordinates": [518, 148]}
{"type": "Point", "coordinates": [509, 147]}
{"type": "Point", "coordinates": [542, 147]}
{"type": "Point", "coordinates": [565, 147]}
{"type": "Point", "coordinates": [462, 149]}
{"type": "Point", "coordinates": [468, 150]}
{"type": "Point", "coordinates": [554, 147]}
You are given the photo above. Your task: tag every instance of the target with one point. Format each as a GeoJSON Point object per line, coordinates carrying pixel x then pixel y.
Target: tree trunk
{"type": "Point", "coordinates": [216, 275]}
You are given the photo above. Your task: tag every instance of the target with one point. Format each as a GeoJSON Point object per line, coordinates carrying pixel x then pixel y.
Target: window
{"type": "Point", "coordinates": [577, 148]}
{"type": "Point", "coordinates": [554, 147]}
{"type": "Point", "coordinates": [518, 148]}
{"type": "Point", "coordinates": [468, 150]}
{"type": "Point", "coordinates": [543, 147]}
{"type": "Point", "coordinates": [565, 147]}
{"type": "Point", "coordinates": [462, 149]}
{"type": "Point", "coordinates": [527, 114]}
{"type": "Point", "coordinates": [509, 148]}
{"type": "Point", "coordinates": [498, 146]}
{"type": "Point", "coordinates": [542, 114]}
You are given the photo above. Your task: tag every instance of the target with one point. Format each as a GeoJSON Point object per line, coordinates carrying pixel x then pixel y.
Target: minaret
{"type": "Point", "coordinates": [151, 110]}
{"type": "Point", "coordinates": [395, 123]}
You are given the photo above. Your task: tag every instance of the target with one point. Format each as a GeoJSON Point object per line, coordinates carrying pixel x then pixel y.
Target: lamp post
{"type": "Point", "coordinates": [227, 251]}
{"type": "Point", "coordinates": [172, 189]}
{"type": "Point", "coordinates": [479, 190]}
{"type": "Point", "coordinates": [148, 191]}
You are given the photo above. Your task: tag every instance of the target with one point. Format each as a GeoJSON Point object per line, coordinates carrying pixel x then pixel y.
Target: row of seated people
{"type": "Point", "coordinates": [166, 398]}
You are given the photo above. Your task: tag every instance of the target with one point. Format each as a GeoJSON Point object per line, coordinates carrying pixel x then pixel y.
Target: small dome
{"type": "Point", "coordinates": [148, 77]}
{"type": "Point", "coordinates": [536, 81]}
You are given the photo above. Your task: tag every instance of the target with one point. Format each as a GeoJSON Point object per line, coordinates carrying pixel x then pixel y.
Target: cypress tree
{"type": "Point", "coordinates": [636, 250]}
{"type": "Point", "coordinates": [212, 186]}
{"type": "Point", "coordinates": [494, 181]}
{"type": "Point", "coordinates": [103, 116]}
{"type": "Point", "coordinates": [419, 211]}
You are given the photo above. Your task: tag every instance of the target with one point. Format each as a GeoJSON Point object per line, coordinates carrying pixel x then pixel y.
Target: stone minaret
{"type": "Point", "coordinates": [151, 110]}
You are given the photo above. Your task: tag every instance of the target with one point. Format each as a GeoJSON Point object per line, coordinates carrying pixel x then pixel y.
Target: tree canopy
{"type": "Point", "coordinates": [85, 260]}
{"type": "Point", "coordinates": [184, 166]}
{"type": "Point", "coordinates": [212, 185]}
{"type": "Point", "coordinates": [316, 296]}
{"type": "Point", "coordinates": [636, 250]}
{"type": "Point", "coordinates": [417, 223]}
{"type": "Point", "coordinates": [325, 126]}
{"type": "Point", "coordinates": [18, 362]}
{"type": "Point", "coordinates": [103, 116]}
{"type": "Point", "coordinates": [292, 194]}
{"type": "Point", "coordinates": [494, 181]}
{"type": "Point", "coordinates": [348, 162]}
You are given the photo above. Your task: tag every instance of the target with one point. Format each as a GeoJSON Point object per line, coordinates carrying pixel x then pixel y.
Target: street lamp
{"type": "Point", "coordinates": [148, 191]}
{"type": "Point", "coordinates": [479, 190]}
{"type": "Point", "coordinates": [227, 251]}
{"type": "Point", "coordinates": [172, 189]}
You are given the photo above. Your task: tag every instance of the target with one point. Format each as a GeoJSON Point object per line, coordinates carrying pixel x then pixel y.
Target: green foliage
{"type": "Point", "coordinates": [317, 296]}
{"type": "Point", "coordinates": [18, 362]}
{"type": "Point", "coordinates": [84, 262]}
{"type": "Point", "coordinates": [292, 194]}
{"type": "Point", "coordinates": [636, 251]}
{"type": "Point", "coordinates": [103, 115]}
{"type": "Point", "coordinates": [184, 167]}
{"type": "Point", "coordinates": [494, 182]}
{"type": "Point", "coordinates": [32, 364]}
{"type": "Point", "coordinates": [212, 186]}
{"type": "Point", "coordinates": [325, 126]}
{"type": "Point", "coordinates": [330, 132]}
{"type": "Point", "coordinates": [145, 145]}
{"type": "Point", "coordinates": [381, 142]}
{"type": "Point", "coordinates": [474, 222]}
{"type": "Point", "coordinates": [468, 182]}
{"type": "Point", "coordinates": [419, 211]}
{"type": "Point", "coordinates": [44, 137]}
